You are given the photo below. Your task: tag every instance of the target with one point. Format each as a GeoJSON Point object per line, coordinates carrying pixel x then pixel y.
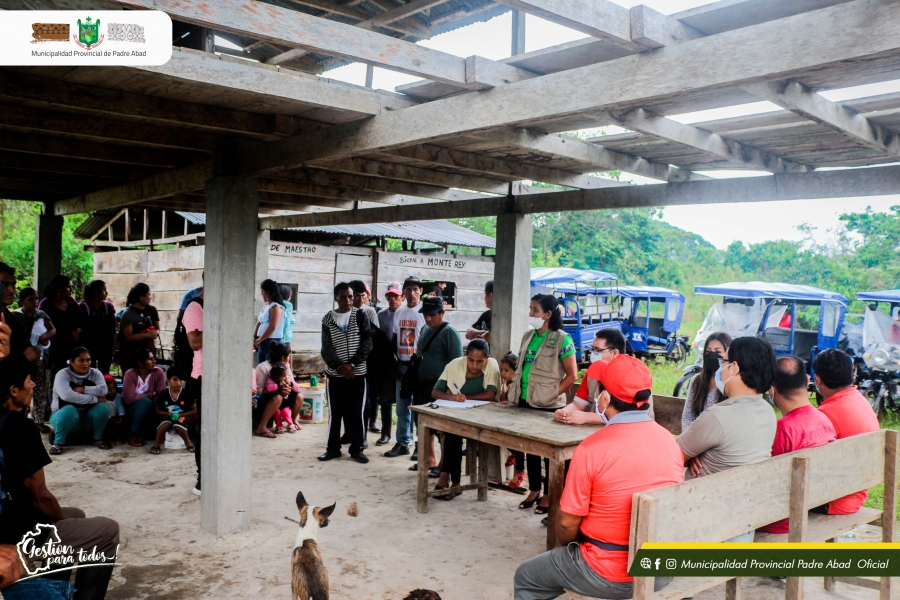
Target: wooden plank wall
{"type": "Point", "coordinates": [314, 268]}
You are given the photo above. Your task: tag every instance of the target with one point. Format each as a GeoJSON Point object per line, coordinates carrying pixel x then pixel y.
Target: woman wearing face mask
{"type": "Point", "coordinates": [702, 392]}
{"type": "Point", "coordinates": [546, 370]}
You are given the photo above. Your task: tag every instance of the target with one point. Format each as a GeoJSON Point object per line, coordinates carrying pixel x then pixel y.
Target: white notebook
{"type": "Point", "coordinates": [454, 404]}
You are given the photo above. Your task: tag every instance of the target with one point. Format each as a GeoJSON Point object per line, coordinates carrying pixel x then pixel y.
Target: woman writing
{"type": "Point", "coordinates": [37, 324]}
{"type": "Point", "coordinates": [77, 404]}
{"type": "Point", "coordinates": [99, 335]}
{"type": "Point", "coordinates": [546, 370]}
{"type": "Point", "coordinates": [62, 309]}
{"type": "Point", "coordinates": [139, 326]}
{"type": "Point", "coordinates": [702, 392]}
{"type": "Point", "coordinates": [474, 376]}
{"type": "Point", "coordinates": [270, 322]}
{"type": "Point", "coordinates": [141, 387]}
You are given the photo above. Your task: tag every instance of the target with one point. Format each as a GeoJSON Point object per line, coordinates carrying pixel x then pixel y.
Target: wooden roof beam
{"type": "Point", "coordinates": [298, 30]}
{"type": "Point", "coordinates": [785, 186]}
{"type": "Point", "coordinates": [738, 153]}
{"type": "Point", "coordinates": [800, 100]}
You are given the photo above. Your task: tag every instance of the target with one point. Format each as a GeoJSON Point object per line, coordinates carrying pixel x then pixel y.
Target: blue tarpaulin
{"type": "Point", "coordinates": [763, 289]}
{"type": "Point", "coordinates": [554, 275]}
{"type": "Point", "coordinates": [885, 296]}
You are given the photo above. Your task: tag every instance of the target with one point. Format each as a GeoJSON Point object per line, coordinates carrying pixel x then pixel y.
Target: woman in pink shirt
{"type": "Point", "coordinates": [140, 388]}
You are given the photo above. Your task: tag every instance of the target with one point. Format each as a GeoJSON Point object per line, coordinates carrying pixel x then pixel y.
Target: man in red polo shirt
{"type": "Point", "coordinates": [847, 410]}
{"type": "Point", "coordinates": [608, 468]}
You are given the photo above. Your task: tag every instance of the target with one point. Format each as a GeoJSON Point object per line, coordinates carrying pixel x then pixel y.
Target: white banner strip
{"type": "Point", "coordinates": [89, 37]}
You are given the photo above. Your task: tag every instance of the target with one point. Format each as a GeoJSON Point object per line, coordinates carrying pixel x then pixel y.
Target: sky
{"type": "Point", "coordinates": [720, 224]}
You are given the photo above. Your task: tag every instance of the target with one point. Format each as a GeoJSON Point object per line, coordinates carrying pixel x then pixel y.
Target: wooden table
{"type": "Point", "coordinates": [522, 429]}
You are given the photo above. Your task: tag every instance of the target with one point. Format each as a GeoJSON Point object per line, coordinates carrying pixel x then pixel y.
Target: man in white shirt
{"type": "Point", "coordinates": [408, 323]}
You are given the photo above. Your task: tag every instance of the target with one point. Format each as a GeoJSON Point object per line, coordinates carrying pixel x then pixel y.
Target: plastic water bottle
{"type": "Point", "coordinates": [314, 381]}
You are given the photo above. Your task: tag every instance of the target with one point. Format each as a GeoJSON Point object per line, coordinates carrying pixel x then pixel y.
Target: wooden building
{"type": "Point", "coordinates": [167, 254]}
{"type": "Point", "coordinates": [260, 143]}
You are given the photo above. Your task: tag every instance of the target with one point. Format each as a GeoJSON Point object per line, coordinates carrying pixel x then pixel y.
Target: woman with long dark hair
{"type": "Point", "coordinates": [270, 322]}
{"type": "Point", "coordinates": [139, 326]}
{"type": "Point", "coordinates": [99, 335]}
{"type": "Point", "coordinates": [38, 325]}
{"type": "Point", "coordinates": [702, 392]}
{"type": "Point", "coordinates": [547, 369]}
{"type": "Point", "coordinates": [63, 311]}
{"type": "Point", "coordinates": [141, 386]}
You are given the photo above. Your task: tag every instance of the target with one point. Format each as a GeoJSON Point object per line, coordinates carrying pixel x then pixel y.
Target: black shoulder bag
{"type": "Point", "coordinates": [411, 377]}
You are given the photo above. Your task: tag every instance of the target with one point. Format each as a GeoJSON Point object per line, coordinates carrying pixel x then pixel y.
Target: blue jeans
{"type": "Point", "coordinates": [39, 588]}
{"type": "Point", "coordinates": [262, 353]}
{"type": "Point", "coordinates": [404, 416]}
{"type": "Point", "coordinates": [138, 413]}
{"type": "Point", "coordinates": [69, 419]}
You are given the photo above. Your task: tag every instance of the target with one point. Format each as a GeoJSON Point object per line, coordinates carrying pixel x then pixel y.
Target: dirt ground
{"type": "Point", "coordinates": [463, 549]}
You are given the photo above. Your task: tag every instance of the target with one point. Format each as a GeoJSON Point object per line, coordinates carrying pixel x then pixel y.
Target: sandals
{"type": "Point", "coordinates": [55, 449]}
{"type": "Point", "coordinates": [154, 450]}
{"type": "Point", "coordinates": [265, 434]}
{"type": "Point", "coordinates": [542, 510]}
{"type": "Point", "coordinates": [526, 504]}
{"type": "Point", "coordinates": [438, 488]}
{"type": "Point", "coordinates": [280, 430]}
{"type": "Point", "coordinates": [433, 472]}
{"type": "Point", "coordinates": [189, 448]}
{"type": "Point", "coordinates": [516, 482]}
{"type": "Point", "coordinates": [101, 444]}
{"type": "Point", "coordinates": [135, 442]}
{"type": "Point", "coordinates": [293, 428]}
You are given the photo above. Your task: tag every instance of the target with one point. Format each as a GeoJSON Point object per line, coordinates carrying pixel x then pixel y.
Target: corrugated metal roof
{"type": "Point", "coordinates": [436, 232]}
{"type": "Point", "coordinates": [94, 223]}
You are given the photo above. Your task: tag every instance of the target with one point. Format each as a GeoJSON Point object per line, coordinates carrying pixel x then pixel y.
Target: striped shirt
{"type": "Point", "coordinates": [346, 347]}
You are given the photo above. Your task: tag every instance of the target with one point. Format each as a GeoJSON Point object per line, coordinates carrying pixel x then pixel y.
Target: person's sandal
{"type": "Point", "coordinates": [189, 448]}
{"type": "Point", "coordinates": [154, 449]}
{"type": "Point", "coordinates": [135, 442]}
{"type": "Point", "coordinates": [516, 482]}
{"type": "Point", "coordinates": [280, 430]}
{"type": "Point", "coordinates": [526, 504]}
{"type": "Point", "coordinates": [446, 496]}
{"type": "Point", "coordinates": [542, 510]}
{"type": "Point", "coordinates": [265, 434]}
{"type": "Point", "coordinates": [101, 444]}
{"type": "Point", "coordinates": [55, 449]}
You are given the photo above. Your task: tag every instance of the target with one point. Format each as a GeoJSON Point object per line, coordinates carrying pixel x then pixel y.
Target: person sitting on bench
{"type": "Point", "coordinates": [608, 344]}
{"type": "Point", "coordinates": [802, 426]}
{"type": "Point", "coordinates": [847, 410]}
{"type": "Point", "coordinates": [739, 430]}
{"type": "Point", "coordinates": [607, 469]}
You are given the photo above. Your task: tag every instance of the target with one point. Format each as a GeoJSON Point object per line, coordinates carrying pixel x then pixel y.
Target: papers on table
{"type": "Point", "coordinates": [454, 404]}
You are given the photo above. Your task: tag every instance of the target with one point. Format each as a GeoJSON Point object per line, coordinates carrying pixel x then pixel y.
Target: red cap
{"type": "Point", "coordinates": [596, 369]}
{"type": "Point", "coordinates": [110, 382]}
{"type": "Point", "coordinates": [624, 377]}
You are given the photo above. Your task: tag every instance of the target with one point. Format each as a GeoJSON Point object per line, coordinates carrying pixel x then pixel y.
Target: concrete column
{"type": "Point", "coordinates": [512, 281]}
{"type": "Point", "coordinates": [47, 247]}
{"type": "Point", "coordinates": [232, 207]}
{"type": "Point", "coordinates": [263, 239]}
{"type": "Point", "coordinates": [518, 32]}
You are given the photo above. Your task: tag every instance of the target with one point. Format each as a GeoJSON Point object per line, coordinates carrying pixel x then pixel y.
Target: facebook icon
{"type": "Point", "coordinates": [656, 564]}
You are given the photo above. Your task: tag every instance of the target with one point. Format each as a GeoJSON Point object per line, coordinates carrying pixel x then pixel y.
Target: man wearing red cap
{"type": "Point", "coordinates": [608, 468]}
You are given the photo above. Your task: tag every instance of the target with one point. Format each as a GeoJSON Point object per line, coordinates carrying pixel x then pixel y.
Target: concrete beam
{"type": "Point", "coordinates": [230, 289]}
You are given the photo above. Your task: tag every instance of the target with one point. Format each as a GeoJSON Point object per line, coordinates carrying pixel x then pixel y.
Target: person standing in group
{"type": "Point", "coordinates": [193, 325]}
{"type": "Point", "coordinates": [360, 301]}
{"type": "Point", "coordinates": [385, 380]}
{"type": "Point", "coordinates": [702, 392]}
{"type": "Point", "coordinates": [138, 327]}
{"type": "Point", "coordinates": [13, 338]}
{"type": "Point", "coordinates": [346, 344]}
{"type": "Point", "coordinates": [475, 376]}
{"type": "Point", "coordinates": [270, 322]}
{"type": "Point", "coordinates": [79, 401]}
{"type": "Point", "coordinates": [547, 369]}
{"type": "Point", "coordinates": [141, 387]}
{"type": "Point", "coordinates": [849, 413]}
{"type": "Point", "coordinates": [62, 309]}
{"type": "Point", "coordinates": [408, 323]}
{"type": "Point", "coordinates": [438, 345]}
{"type": "Point", "coordinates": [481, 328]}
{"type": "Point", "coordinates": [188, 296]}
{"type": "Point", "coordinates": [607, 345]}
{"type": "Point", "coordinates": [99, 335]}
{"type": "Point", "coordinates": [287, 337]}
{"type": "Point", "coordinates": [38, 325]}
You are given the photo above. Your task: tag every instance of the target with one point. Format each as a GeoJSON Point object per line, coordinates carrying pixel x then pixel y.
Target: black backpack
{"type": "Point", "coordinates": [183, 353]}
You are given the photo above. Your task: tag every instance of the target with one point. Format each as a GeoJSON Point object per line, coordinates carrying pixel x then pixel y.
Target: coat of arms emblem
{"type": "Point", "coordinates": [88, 35]}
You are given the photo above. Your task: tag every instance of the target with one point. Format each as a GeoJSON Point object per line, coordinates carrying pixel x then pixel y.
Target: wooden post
{"type": "Point", "coordinates": [889, 504]}
{"type": "Point", "coordinates": [425, 437]}
{"type": "Point", "coordinates": [557, 475]}
{"type": "Point", "coordinates": [494, 459]}
{"type": "Point", "coordinates": [146, 226]}
{"type": "Point", "coordinates": [829, 581]}
{"type": "Point", "coordinates": [645, 531]}
{"type": "Point", "coordinates": [733, 589]}
{"type": "Point", "coordinates": [483, 471]}
{"type": "Point", "coordinates": [127, 224]}
{"type": "Point", "coordinates": [518, 32]}
{"type": "Point", "coordinates": [163, 226]}
{"type": "Point", "coordinates": [798, 515]}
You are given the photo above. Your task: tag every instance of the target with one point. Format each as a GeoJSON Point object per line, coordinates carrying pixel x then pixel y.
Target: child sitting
{"type": "Point", "coordinates": [281, 383]}
{"type": "Point", "coordinates": [176, 407]}
{"type": "Point", "coordinates": [116, 411]}
{"type": "Point", "coordinates": [507, 373]}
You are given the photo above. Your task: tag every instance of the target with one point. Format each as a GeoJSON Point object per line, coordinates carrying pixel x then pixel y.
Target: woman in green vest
{"type": "Point", "coordinates": [546, 370]}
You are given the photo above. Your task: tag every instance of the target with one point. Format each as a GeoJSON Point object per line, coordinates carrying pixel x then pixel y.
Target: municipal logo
{"type": "Point", "coordinates": [88, 36]}
{"type": "Point", "coordinates": [50, 32]}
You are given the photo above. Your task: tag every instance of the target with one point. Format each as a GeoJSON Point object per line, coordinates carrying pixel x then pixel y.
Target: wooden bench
{"type": "Point", "coordinates": [721, 506]}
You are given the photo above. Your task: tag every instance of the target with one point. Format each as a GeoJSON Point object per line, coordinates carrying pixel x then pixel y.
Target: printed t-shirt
{"type": "Point", "coordinates": [184, 402]}
{"type": "Point", "coordinates": [484, 321]}
{"type": "Point", "coordinates": [470, 387]}
{"type": "Point", "coordinates": [735, 432]}
{"type": "Point", "coordinates": [803, 427]}
{"type": "Point", "coordinates": [23, 455]}
{"type": "Point", "coordinates": [193, 321]}
{"type": "Point", "coordinates": [534, 345]}
{"type": "Point", "coordinates": [850, 414]}
{"type": "Point", "coordinates": [408, 322]}
{"type": "Point", "coordinates": [605, 472]}
{"type": "Point", "coordinates": [342, 319]}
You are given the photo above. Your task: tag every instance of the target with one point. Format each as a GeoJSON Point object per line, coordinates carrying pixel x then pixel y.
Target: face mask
{"type": "Point", "coordinates": [596, 356]}
{"type": "Point", "coordinates": [720, 385]}
{"type": "Point", "coordinates": [711, 362]}
{"type": "Point", "coordinates": [603, 413]}
{"type": "Point", "coordinates": [536, 322]}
